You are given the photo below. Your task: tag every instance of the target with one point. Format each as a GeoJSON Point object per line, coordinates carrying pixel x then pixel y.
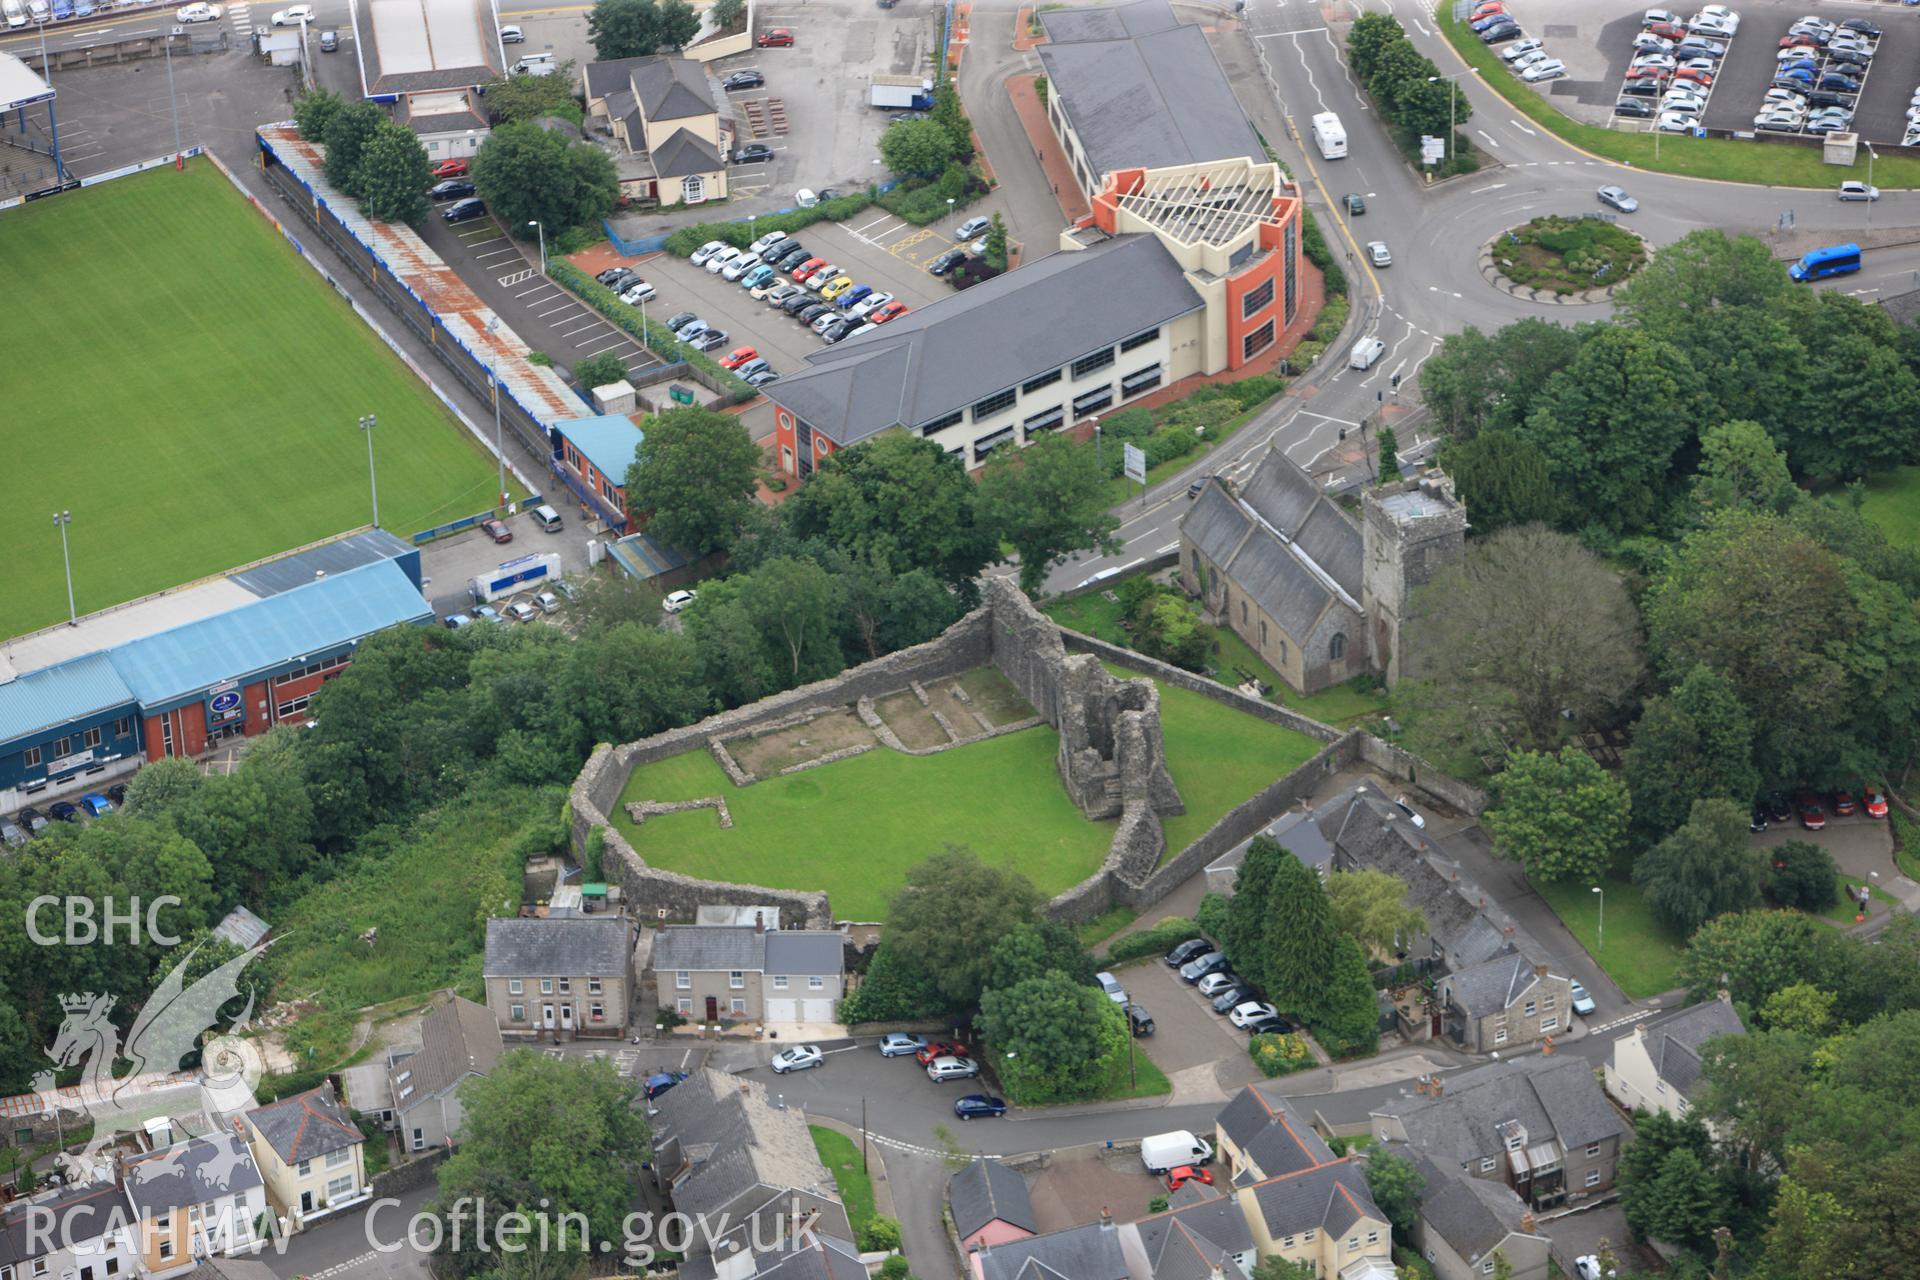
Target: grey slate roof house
{"type": "Point", "coordinates": [565, 977]}
{"type": "Point", "coordinates": [74, 1231]}
{"type": "Point", "coordinates": [1197, 1241]}
{"type": "Point", "coordinates": [1096, 1251]}
{"type": "Point", "coordinates": [1464, 1221]}
{"type": "Point", "coordinates": [747, 973]}
{"type": "Point", "coordinates": [458, 1041]}
{"type": "Point", "coordinates": [722, 1148]}
{"type": "Point", "coordinates": [1540, 1125]}
{"type": "Point", "coordinates": [1132, 86]}
{"type": "Point", "coordinates": [1261, 1136]}
{"type": "Point", "coordinates": [989, 1201]}
{"type": "Point", "coordinates": [309, 1153]}
{"type": "Point", "coordinates": [660, 109]}
{"type": "Point", "coordinates": [1509, 1000]}
{"type": "Point", "coordinates": [1295, 832]}
{"type": "Point", "coordinates": [195, 1199]}
{"type": "Point", "coordinates": [1658, 1066]}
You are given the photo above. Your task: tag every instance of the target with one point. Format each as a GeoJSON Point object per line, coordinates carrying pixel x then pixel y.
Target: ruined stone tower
{"type": "Point", "coordinates": [1409, 530]}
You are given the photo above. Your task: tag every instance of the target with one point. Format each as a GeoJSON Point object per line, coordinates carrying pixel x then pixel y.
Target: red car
{"type": "Point", "coordinates": [1486, 10]}
{"type": "Point", "coordinates": [497, 530]}
{"type": "Point", "coordinates": [888, 312]}
{"type": "Point", "coordinates": [1874, 801]}
{"type": "Point", "coordinates": [450, 169]}
{"type": "Point", "coordinates": [1813, 815]}
{"type": "Point", "coordinates": [1842, 802]}
{"type": "Point", "coordinates": [1701, 78]}
{"type": "Point", "coordinates": [737, 357]}
{"type": "Point", "coordinates": [807, 268]}
{"type": "Point", "coordinates": [1178, 1178]}
{"type": "Point", "coordinates": [778, 38]}
{"type": "Point", "coordinates": [939, 1049]}
{"type": "Point", "coordinates": [1667, 30]}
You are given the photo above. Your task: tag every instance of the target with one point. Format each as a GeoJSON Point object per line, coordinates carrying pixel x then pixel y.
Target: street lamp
{"type": "Point", "coordinates": [1453, 92]}
{"type": "Point", "coordinates": [62, 519]}
{"type": "Point", "coordinates": [1870, 191]}
{"type": "Point", "coordinates": [1098, 457]}
{"type": "Point", "coordinates": [373, 482]}
{"type": "Point", "coordinates": [535, 224]}
{"type": "Point", "coordinates": [499, 448]}
{"type": "Point", "coordinates": [1600, 931]}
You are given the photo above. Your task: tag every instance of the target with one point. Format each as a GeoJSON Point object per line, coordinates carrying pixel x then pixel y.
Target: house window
{"type": "Point", "coordinates": [1530, 1008]}
{"type": "Point", "coordinates": [1306, 1237]}
{"type": "Point", "coordinates": [90, 738]}
{"type": "Point", "coordinates": [941, 424]}
{"type": "Point", "coordinates": [1682, 1104]}
{"type": "Point", "coordinates": [113, 1268]}
{"type": "Point", "coordinates": [166, 735]}
{"type": "Point", "coordinates": [1486, 1164]}
{"type": "Point", "coordinates": [1048, 421]}
{"type": "Point", "coordinates": [1515, 1143]}
{"type": "Point", "coordinates": [166, 1255]}
{"type": "Point", "coordinates": [593, 986]}
{"type": "Point", "coordinates": [337, 1158]}
{"type": "Point", "coordinates": [340, 1187]}
{"type": "Point", "coordinates": [419, 1139]}
{"type": "Point", "coordinates": [31, 756]}
{"type": "Point", "coordinates": [1486, 1268]}
{"type": "Point", "coordinates": [1243, 613]}
{"type": "Point", "coordinates": [739, 1005]}
{"type": "Point", "coordinates": [815, 983]}
{"type": "Point", "coordinates": [1257, 341]}
{"type": "Point", "coordinates": [1256, 299]}
{"type": "Point", "coordinates": [1337, 647]}
{"type": "Point", "coordinates": [683, 980]}
{"type": "Point", "coordinates": [1044, 380]}
{"type": "Point", "coordinates": [736, 979]}
{"type": "Point", "coordinates": [516, 1013]}
{"type": "Point", "coordinates": [1088, 402]}
{"type": "Point", "coordinates": [992, 440]}
{"type": "Point", "coordinates": [1549, 1023]}
{"type": "Point", "coordinates": [546, 986]}
{"type": "Point", "coordinates": [1659, 1086]}
{"type": "Point", "coordinates": [693, 189]}
{"type": "Point", "coordinates": [780, 982]}
{"type": "Point", "coordinates": [566, 986]}
{"type": "Point", "coordinates": [1546, 1002]}
{"type": "Point", "coordinates": [1593, 1177]}
{"type": "Point", "coordinates": [62, 747]}
{"type": "Point", "coordinates": [1263, 633]}
{"type": "Point", "coordinates": [1089, 363]}
{"type": "Point", "coordinates": [1286, 1242]}
{"type": "Point", "coordinates": [306, 1167]}
{"type": "Point", "coordinates": [1353, 1243]}
{"type": "Point", "coordinates": [1140, 380]}
{"type": "Point", "coordinates": [1139, 340]}
{"type": "Point", "coordinates": [998, 402]}
{"type": "Point", "coordinates": [1593, 1151]}
{"type": "Point", "coordinates": [596, 1013]}
{"type": "Point", "coordinates": [683, 1005]}
{"type": "Point", "coordinates": [1373, 1237]}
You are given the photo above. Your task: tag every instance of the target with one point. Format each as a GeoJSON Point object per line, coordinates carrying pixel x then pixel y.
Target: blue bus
{"type": "Point", "coordinates": [1836, 260]}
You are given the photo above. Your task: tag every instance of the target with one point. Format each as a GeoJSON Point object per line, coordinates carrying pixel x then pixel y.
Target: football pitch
{"type": "Point", "coordinates": [191, 391]}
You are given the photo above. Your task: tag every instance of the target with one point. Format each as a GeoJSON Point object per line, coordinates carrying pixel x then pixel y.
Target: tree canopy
{"type": "Point", "coordinates": [1561, 816]}
{"type": "Point", "coordinates": [693, 478]}
{"type": "Point", "coordinates": [1705, 868]}
{"type": "Point", "coordinates": [1048, 500]}
{"type": "Point", "coordinates": [527, 173]}
{"type": "Point", "coordinates": [952, 911]}
{"type": "Point", "coordinates": [636, 28]}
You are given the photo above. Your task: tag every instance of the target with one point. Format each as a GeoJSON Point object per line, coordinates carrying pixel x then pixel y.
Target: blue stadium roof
{"type": "Point", "coordinates": [608, 442]}
{"type": "Point", "coordinates": [316, 618]}
{"type": "Point", "coordinates": [60, 694]}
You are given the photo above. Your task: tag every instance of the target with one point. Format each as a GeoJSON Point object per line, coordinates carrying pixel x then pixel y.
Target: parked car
{"type": "Point", "coordinates": [1139, 1021]}
{"type": "Point", "coordinates": [940, 1049]}
{"type": "Point", "coordinates": [765, 376]}
{"type": "Point", "coordinates": [451, 189]}
{"type": "Point", "coordinates": [665, 1080]}
{"type": "Point", "coordinates": [63, 811]}
{"type": "Point", "coordinates": [947, 1067]}
{"type": "Point", "coordinates": [521, 611]}
{"type": "Point", "coordinates": [485, 613]}
{"type": "Point", "coordinates": [806, 269]}
{"type": "Point", "coordinates": [512, 34]}
{"type": "Point", "coordinates": [118, 793]}
{"type": "Point", "coordinates": [675, 601]}
{"type": "Point", "coordinates": [766, 243]}
{"type": "Point", "coordinates": [1496, 35]}
{"type": "Point", "coordinates": [1111, 986]}
{"type": "Point", "coordinates": [708, 339]}
{"type": "Point", "coordinates": [777, 38]}
{"type": "Point", "coordinates": [700, 257]}
{"type": "Point", "coordinates": [833, 288]}
{"type": "Point", "coordinates": [753, 153]}
{"type": "Point", "coordinates": [1551, 69]}
{"type": "Point", "coordinates": [1858, 191]}
{"type": "Point", "coordinates": [33, 820]}
{"type": "Point", "coordinates": [979, 1106]}
{"type": "Point", "coordinates": [751, 367]}
{"type": "Point", "coordinates": [1232, 997]}
{"type": "Point", "coordinates": [1188, 950]}
{"type": "Point", "coordinates": [789, 254]}
{"type": "Point", "coordinates": [618, 279]}
{"type": "Point", "coordinates": [1645, 42]}
{"type": "Point", "coordinates": [853, 297]}
{"type": "Point", "coordinates": [766, 286]}
{"type": "Point", "coordinates": [1587, 1267]}
{"type": "Point", "coordinates": [1481, 24]}
{"type": "Point", "coordinates": [1813, 814]}
{"type": "Point", "coordinates": [1181, 1176]}
{"type": "Point", "coordinates": [1242, 1014]}
{"type": "Point", "coordinates": [1271, 1026]}
{"type": "Point", "coordinates": [11, 834]}
{"type": "Point", "coordinates": [864, 307]}
{"type": "Point", "coordinates": [892, 311]}
{"type": "Point", "coordinates": [740, 266]}
{"type": "Point", "coordinates": [975, 226]}
{"type": "Point", "coordinates": [455, 621]}
{"type": "Point", "coordinates": [547, 601]}
{"type": "Point", "coordinates": [834, 328]}
{"type": "Point", "coordinates": [456, 168]}
{"type": "Point", "coordinates": [1842, 802]}
{"type": "Point", "coordinates": [680, 320]}
{"type": "Point", "coordinates": [1644, 87]}
{"type": "Point", "coordinates": [800, 302]}
{"type": "Point", "coordinates": [496, 529]}
{"type": "Point", "coordinates": [743, 80]}
{"type": "Point", "coordinates": [947, 261]}
{"type": "Point", "coordinates": [1202, 966]}
{"type": "Point", "coordinates": [95, 804]}
{"type": "Point", "coordinates": [1212, 984]}
{"type": "Point", "coordinates": [738, 356]}
{"type": "Point", "coordinates": [813, 311]}
{"type": "Point", "coordinates": [898, 1044]}
{"type": "Point", "coordinates": [1863, 26]}
{"type": "Point", "coordinates": [464, 210]}
{"type": "Point", "coordinates": [801, 1057]}
{"type": "Point", "coordinates": [783, 293]}
{"type": "Point", "coordinates": [1758, 822]}
{"type": "Point", "coordinates": [1582, 999]}
{"type": "Point", "coordinates": [718, 262]}
{"type": "Point", "coordinates": [636, 292]}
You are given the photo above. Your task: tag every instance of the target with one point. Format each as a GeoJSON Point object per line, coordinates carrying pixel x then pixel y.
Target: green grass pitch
{"type": "Point", "coordinates": [190, 390]}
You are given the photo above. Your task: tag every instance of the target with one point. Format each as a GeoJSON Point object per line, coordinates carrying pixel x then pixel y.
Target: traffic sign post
{"type": "Point", "coordinates": [1134, 465]}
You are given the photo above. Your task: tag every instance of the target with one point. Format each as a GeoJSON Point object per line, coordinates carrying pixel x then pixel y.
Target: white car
{"type": "Point", "coordinates": [637, 293]}
{"type": "Point", "coordinates": [767, 286]}
{"type": "Point", "coordinates": [706, 251]}
{"type": "Point", "coordinates": [1797, 52]}
{"type": "Point", "coordinates": [294, 16]}
{"type": "Point", "coordinates": [1707, 65]}
{"type": "Point", "coordinates": [1533, 59]}
{"type": "Point", "coordinates": [868, 305]}
{"type": "Point", "coordinates": [1588, 1268]}
{"type": "Point", "coordinates": [1111, 985]}
{"type": "Point", "coordinates": [719, 260]}
{"type": "Point", "coordinates": [1718, 13]}
{"type": "Point", "coordinates": [1582, 999]}
{"type": "Point", "coordinates": [799, 1058]}
{"type": "Point", "coordinates": [1520, 48]}
{"type": "Point", "coordinates": [1858, 191]}
{"type": "Point", "coordinates": [1682, 100]}
{"type": "Point", "coordinates": [1661, 15]}
{"type": "Point", "coordinates": [521, 611]}
{"type": "Point", "coordinates": [739, 266]}
{"type": "Point", "coordinates": [1214, 983]}
{"type": "Point", "coordinates": [1647, 42]}
{"type": "Point", "coordinates": [677, 600]}
{"type": "Point", "coordinates": [1655, 61]}
{"type": "Point", "coordinates": [1704, 26]}
{"type": "Point", "coordinates": [1797, 98]}
{"type": "Point", "coordinates": [766, 241]}
{"type": "Point", "coordinates": [1250, 1011]}
{"type": "Point", "coordinates": [1676, 122]}
{"type": "Point", "coordinates": [197, 12]}
{"type": "Point", "coordinates": [1377, 251]}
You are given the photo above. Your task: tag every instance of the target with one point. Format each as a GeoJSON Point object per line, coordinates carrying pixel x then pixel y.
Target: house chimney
{"type": "Point", "coordinates": [1539, 971]}
{"type": "Point", "coordinates": [1526, 1222]}
{"type": "Point", "coordinates": [1507, 932]}
{"type": "Point", "coordinates": [1106, 1216]}
{"type": "Point", "coordinates": [759, 922]}
{"type": "Point", "coordinates": [1438, 1086]}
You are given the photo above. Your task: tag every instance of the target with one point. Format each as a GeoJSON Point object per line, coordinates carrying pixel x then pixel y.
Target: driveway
{"type": "Point", "coordinates": [1578, 1234]}
{"type": "Point", "coordinates": [1078, 1189]}
{"type": "Point", "coordinates": [1187, 1032]}
{"type": "Point", "coordinates": [448, 563]}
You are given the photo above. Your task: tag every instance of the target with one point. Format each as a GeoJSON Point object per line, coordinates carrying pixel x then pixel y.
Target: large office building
{"type": "Point", "coordinates": [179, 673]}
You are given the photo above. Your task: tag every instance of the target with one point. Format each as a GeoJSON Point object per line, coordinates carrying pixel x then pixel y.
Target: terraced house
{"type": "Point", "coordinates": [748, 973]}
{"type": "Point", "coordinates": [559, 977]}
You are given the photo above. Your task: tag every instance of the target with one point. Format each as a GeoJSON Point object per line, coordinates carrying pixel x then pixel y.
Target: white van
{"type": "Point", "coordinates": [1365, 352]}
{"type": "Point", "coordinates": [1164, 1151]}
{"type": "Point", "coordinates": [547, 518]}
{"type": "Point", "coordinates": [536, 64]}
{"type": "Point", "coordinates": [16, 11]}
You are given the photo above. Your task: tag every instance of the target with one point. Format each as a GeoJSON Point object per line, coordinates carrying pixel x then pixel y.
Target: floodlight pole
{"type": "Point", "coordinates": [373, 480]}
{"type": "Point", "coordinates": [166, 43]}
{"type": "Point", "coordinates": [62, 519]}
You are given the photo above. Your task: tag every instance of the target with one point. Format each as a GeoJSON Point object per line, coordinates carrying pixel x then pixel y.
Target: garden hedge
{"type": "Point", "coordinates": [654, 337]}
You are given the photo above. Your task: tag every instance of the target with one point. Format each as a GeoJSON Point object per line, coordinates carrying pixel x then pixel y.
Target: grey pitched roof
{"type": "Point", "coordinates": [1674, 1041]}
{"type": "Point", "coordinates": [458, 1039]}
{"type": "Point", "coordinates": [806, 952]}
{"type": "Point", "coordinates": [1282, 542]}
{"type": "Point", "coordinates": [191, 1172]}
{"type": "Point", "coordinates": [1140, 18]}
{"type": "Point", "coordinates": [1029, 321]}
{"type": "Point", "coordinates": [518, 947]}
{"type": "Point", "coordinates": [708, 948]}
{"type": "Point", "coordinates": [1149, 95]}
{"type": "Point", "coordinates": [1190, 1243]}
{"type": "Point", "coordinates": [242, 928]}
{"type": "Point", "coordinates": [1265, 1126]}
{"type": "Point", "coordinates": [824, 1258]}
{"type": "Point", "coordinates": [1548, 1097]}
{"type": "Point", "coordinates": [685, 153]}
{"type": "Point", "coordinates": [306, 1125]}
{"type": "Point", "coordinates": [1473, 1215]}
{"type": "Point", "coordinates": [986, 1191]}
{"type": "Point", "coordinates": [1327, 1197]}
{"type": "Point", "coordinates": [1489, 988]}
{"type": "Point", "coordinates": [1090, 1252]}
{"type": "Point", "coordinates": [1295, 832]}
{"type": "Point", "coordinates": [603, 79]}
{"type": "Point", "coordinates": [670, 88]}
{"type": "Point", "coordinates": [734, 1142]}
{"type": "Point", "coordinates": [34, 1228]}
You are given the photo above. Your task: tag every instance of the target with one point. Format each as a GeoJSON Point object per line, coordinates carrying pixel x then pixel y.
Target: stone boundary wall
{"type": "Point", "coordinates": [409, 1176]}
{"type": "Point", "coordinates": [832, 757]}
{"type": "Point", "coordinates": [640, 810]}
{"type": "Point", "coordinates": [1415, 772]}
{"type": "Point", "coordinates": [1206, 688]}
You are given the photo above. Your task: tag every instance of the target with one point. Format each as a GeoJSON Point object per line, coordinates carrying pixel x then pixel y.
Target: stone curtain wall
{"type": "Point", "coordinates": [1184, 679]}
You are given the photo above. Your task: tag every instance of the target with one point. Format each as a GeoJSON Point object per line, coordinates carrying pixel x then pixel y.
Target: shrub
{"type": "Point", "coordinates": [1157, 1204]}
{"type": "Point", "coordinates": [880, 1234]}
{"type": "Point", "coordinates": [1040, 89]}
{"type": "Point", "coordinates": [655, 338]}
{"type": "Point", "coordinates": [1314, 246]}
{"type": "Point", "coordinates": [1332, 319]}
{"type": "Point", "coordinates": [1280, 1055]}
{"type": "Point", "coordinates": [1212, 915]}
{"type": "Point", "coordinates": [742, 233]}
{"type": "Point", "coordinates": [1156, 940]}
{"type": "Point", "coordinates": [894, 1268]}
{"type": "Point", "coordinates": [895, 990]}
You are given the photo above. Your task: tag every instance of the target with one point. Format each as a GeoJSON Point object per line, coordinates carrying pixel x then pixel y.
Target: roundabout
{"type": "Point", "coordinates": [1561, 260]}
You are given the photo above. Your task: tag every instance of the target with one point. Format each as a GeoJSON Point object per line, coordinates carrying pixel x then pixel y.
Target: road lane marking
{"type": "Point", "coordinates": [1522, 128]}
{"type": "Point", "coordinates": [1480, 191]}
{"type": "Point", "coordinates": [1489, 137]}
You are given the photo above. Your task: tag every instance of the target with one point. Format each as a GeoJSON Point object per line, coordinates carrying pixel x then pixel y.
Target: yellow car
{"type": "Point", "coordinates": [838, 287]}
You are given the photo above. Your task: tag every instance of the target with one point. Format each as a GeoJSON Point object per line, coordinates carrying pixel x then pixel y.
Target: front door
{"type": "Point", "coordinates": [306, 1202]}
{"type": "Point", "coordinates": [566, 1017]}
{"type": "Point", "coordinates": [546, 1016]}
{"type": "Point", "coordinates": [713, 1009]}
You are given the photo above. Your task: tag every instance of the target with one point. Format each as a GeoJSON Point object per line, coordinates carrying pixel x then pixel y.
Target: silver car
{"type": "Point", "coordinates": [1617, 198]}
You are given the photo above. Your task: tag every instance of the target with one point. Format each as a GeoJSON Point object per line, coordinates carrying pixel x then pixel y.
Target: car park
{"type": "Point", "coordinates": [743, 80]}
{"type": "Point", "coordinates": [801, 1057]}
{"type": "Point", "coordinates": [521, 611]}
{"type": "Point", "coordinates": [777, 38]}
{"type": "Point", "coordinates": [464, 210]}
{"type": "Point", "coordinates": [705, 252]}
{"type": "Point", "coordinates": [979, 1106]}
{"type": "Point", "coordinates": [899, 1044]}
{"type": "Point", "coordinates": [739, 266]}
{"type": "Point", "coordinates": [719, 261]}
{"type": "Point", "coordinates": [943, 1069]}
{"type": "Point", "coordinates": [753, 153]}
